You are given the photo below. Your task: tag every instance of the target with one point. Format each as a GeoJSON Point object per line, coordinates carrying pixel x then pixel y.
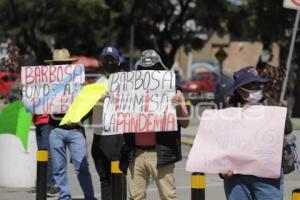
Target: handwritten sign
{"type": "Point", "coordinates": [248, 141]}
{"type": "Point", "coordinates": [140, 101]}
{"type": "Point", "coordinates": [84, 102]}
{"type": "Point", "coordinates": [51, 89]}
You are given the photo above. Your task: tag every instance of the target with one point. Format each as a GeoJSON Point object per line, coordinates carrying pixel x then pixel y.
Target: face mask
{"type": "Point", "coordinates": [110, 68]}
{"type": "Point", "coordinates": [254, 96]}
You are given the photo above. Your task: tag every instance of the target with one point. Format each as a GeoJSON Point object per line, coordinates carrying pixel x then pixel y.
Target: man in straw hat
{"type": "Point", "coordinates": [71, 135]}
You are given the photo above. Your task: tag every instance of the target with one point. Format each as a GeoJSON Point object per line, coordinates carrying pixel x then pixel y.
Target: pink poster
{"type": "Point", "coordinates": [246, 140]}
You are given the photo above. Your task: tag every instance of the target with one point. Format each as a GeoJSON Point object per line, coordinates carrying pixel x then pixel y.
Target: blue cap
{"type": "Point", "coordinates": [110, 51]}
{"type": "Point", "coordinates": [247, 75]}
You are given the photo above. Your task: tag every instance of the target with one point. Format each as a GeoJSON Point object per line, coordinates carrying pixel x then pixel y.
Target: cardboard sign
{"type": "Point", "coordinates": [84, 102]}
{"type": "Point", "coordinates": [246, 140]}
{"type": "Point", "coordinates": [51, 89]}
{"type": "Point", "coordinates": [140, 101]}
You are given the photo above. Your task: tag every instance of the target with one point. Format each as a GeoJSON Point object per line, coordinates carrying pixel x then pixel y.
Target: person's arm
{"type": "Point", "coordinates": [181, 110]}
{"type": "Point", "coordinates": [288, 128]}
{"type": "Point", "coordinates": [227, 174]}
{"type": "Point", "coordinates": [127, 152]}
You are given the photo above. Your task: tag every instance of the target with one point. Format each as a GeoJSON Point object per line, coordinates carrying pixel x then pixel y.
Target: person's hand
{"type": "Point", "coordinates": [283, 103]}
{"type": "Point", "coordinates": [85, 83]}
{"type": "Point", "coordinates": [176, 100]}
{"type": "Point", "coordinates": [227, 174]}
{"type": "Point", "coordinates": [104, 96]}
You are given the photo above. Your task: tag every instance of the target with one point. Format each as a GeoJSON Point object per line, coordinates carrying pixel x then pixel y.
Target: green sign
{"type": "Point", "coordinates": [16, 121]}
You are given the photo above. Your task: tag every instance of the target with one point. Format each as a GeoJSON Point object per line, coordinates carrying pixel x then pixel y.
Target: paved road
{"type": "Point", "coordinates": [214, 190]}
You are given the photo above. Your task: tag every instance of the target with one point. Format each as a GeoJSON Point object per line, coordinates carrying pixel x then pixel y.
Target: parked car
{"type": "Point", "coordinates": [7, 80]}
{"type": "Point", "coordinates": [201, 87]}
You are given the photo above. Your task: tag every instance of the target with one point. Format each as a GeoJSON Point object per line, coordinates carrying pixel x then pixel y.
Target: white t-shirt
{"type": "Point", "coordinates": [98, 110]}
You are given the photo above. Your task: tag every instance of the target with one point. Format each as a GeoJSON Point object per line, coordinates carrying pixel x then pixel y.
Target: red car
{"type": "Point", "coordinates": [201, 87]}
{"type": "Point", "coordinates": [7, 80]}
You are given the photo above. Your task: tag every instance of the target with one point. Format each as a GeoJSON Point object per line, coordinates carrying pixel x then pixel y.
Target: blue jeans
{"type": "Point", "coordinates": [42, 138]}
{"type": "Point", "coordinates": [74, 139]}
{"type": "Point", "coordinates": [246, 187]}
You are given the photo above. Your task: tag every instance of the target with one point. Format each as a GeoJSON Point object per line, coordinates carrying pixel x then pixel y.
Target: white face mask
{"type": "Point", "coordinates": [254, 96]}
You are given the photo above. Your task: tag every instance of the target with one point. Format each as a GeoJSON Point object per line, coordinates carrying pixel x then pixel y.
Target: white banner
{"type": "Point", "coordinates": [51, 89]}
{"type": "Point", "coordinates": [140, 101]}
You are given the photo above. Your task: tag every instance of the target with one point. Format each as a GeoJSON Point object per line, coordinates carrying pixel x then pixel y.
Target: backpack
{"type": "Point", "coordinates": [290, 156]}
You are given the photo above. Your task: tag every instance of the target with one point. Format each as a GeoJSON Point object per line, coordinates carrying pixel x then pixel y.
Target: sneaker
{"type": "Point", "coordinates": [53, 191]}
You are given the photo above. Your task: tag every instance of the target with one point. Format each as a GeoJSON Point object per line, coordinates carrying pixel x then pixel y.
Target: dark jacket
{"type": "Point", "coordinates": [109, 145]}
{"type": "Point", "coordinates": [168, 148]}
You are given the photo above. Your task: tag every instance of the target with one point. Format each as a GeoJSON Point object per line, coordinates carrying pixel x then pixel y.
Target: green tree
{"type": "Point", "coordinates": [167, 25]}
{"type": "Point", "coordinates": [41, 25]}
{"type": "Point", "coordinates": [84, 25]}
{"type": "Point", "coordinates": [265, 21]}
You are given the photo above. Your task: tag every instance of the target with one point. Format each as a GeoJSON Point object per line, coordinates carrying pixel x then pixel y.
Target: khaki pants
{"type": "Point", "coordinates": [139, 172]}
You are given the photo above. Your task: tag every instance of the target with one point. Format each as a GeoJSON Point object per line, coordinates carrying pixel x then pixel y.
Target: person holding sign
{"type": "Point", "coordinates": [154, 153]}
{"type": "Point", "coordinates": [248, 90]}
{"type": "Point", "coordinates": [71, 136]}
{"type": "Point", "coordinates": [105, 148]}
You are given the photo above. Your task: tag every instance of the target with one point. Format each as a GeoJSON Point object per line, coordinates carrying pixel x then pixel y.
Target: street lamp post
{"type": "Point", "coordinates": [221, 55]}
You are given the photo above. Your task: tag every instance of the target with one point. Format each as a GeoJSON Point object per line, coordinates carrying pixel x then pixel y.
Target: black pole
{"type": "Point", "coordinates": [41, 183]}
{"type": "Point", "coordinates": [198, 186]}
{"type": "Point", "coordinates": [118, 182]}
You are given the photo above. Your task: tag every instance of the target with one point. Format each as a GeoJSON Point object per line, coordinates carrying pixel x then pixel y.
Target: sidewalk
{"type": "Point", "coordinates": [214, 185]}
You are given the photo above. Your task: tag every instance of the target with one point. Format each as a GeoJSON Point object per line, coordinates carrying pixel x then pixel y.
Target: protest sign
{"type": "Point", "coordinates": [84, 102]}
{"type": "Point", "coordinates": [16, 121]}
{"type": "Point", "coordinates": [51, 89]}
{"type": "Point", "coordinates": [246, 140]}
{"type": "Point", "coordinates": [140, 101]}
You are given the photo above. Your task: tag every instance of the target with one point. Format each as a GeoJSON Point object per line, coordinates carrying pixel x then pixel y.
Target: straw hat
{"type": "Point", "coordinates": [61, 55]}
